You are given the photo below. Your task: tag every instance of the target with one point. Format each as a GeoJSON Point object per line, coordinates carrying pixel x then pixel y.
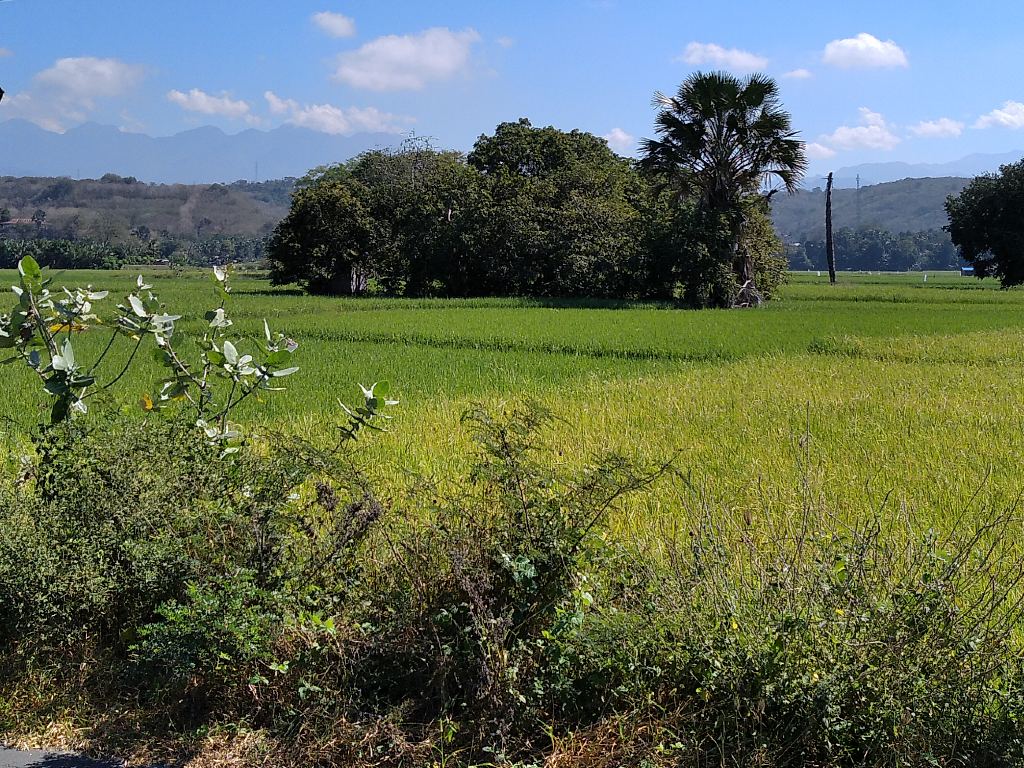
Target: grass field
{"type": "Point", "coordinates": [884, 391]}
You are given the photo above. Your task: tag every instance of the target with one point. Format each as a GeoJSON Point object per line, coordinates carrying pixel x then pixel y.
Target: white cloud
{"type": "Point", "coordinates": [816, 151]}
{"type": "Point", "coordinates": [621, 142]}
{"type": "Point", "coordinates": [5, 52]}
{"type": "Point", "coordinates": [279, 106]}
{"type": "Point", "coordinates": [729, 58]}
{"type": "Point", "coordinates": [208, 104]}
{"type": "Point", "coordinates": [327, 118]}
{"type": "Point", "coordinates": [407, 62]}
{"type": "Point", "coordinates": [335, 24]}
{"type": "Point", "coordinates": [799, 74]}
{"type": "Point", "coordinates": [67, 92]}
{"type": "Point", "coordinates": [85, 79]}
{"type": "Point", "coordinates": [27, 106]}
{"type": "Point", "coordinates": [1010, 115]}
{"type": "Point", "coordinates": [505, 41]}
{"type": "Point", "coordinates": [872, 133]}
{"type": "Point", "coordinates": [864, 52]}
{"type": "Point", "coordinates": [943, 128]}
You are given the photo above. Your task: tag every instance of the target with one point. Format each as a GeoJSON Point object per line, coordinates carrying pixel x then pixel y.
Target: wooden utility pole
{"type": "Point", "coordinates": [830, 246]}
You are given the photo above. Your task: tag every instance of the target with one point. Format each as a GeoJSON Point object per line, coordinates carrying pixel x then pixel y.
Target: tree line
{"type": "Point", "coordinates": [875, 249]}
{"type": "Point", "coordinates": [544, 212]}
{"type": "Point", "coordinates": [61, 253]}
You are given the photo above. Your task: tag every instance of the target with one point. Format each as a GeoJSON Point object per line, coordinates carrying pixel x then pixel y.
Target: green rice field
{"type": "Point", "coordinates": [884, 392]}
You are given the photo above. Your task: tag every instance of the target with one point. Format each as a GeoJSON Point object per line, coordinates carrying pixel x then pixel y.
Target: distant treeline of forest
{"type": "Point", "coordinates": [117, 220]}
{"type": "Point", "coordinates": [874, 249]}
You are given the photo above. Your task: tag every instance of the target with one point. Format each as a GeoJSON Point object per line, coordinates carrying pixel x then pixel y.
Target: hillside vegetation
{"type": "Point", "coordinates": [911, 205]}
{"type": "Point", "coordinates": [110, 209]}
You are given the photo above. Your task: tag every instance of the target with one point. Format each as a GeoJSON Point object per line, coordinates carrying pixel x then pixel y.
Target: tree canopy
{"type": "Point", "coordinates": [530, 211]}
{"type": "Point", "coordinates": [986, 222]}
{"type": "Point", "coordinates": [720, 138]}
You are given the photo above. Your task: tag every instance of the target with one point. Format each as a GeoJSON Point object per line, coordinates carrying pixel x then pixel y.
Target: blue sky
{"type": "Point", "coordinates": [865, 81]}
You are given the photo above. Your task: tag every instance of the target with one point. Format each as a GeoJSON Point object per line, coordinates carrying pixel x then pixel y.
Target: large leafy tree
{"type": "Point", "coordinates": [564, 216]}
{"type": "Point", "coordinates": [720, 139]}
{"type": "Point", "coordinates": [428, 201]}
{"type": "Point", "coordinates": [326, 242]}
{"type": "Point", "coordinates": [986, 222]}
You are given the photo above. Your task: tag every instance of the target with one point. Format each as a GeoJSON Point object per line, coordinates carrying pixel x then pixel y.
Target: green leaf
{"type": "Point", "coordinates": [218, 319]}
{"type": "Point", "coordinates": [29, 269]}
{"type": "Point", "coordinates": [137, 305]}
{"type": "Point", "coordinates": [69, 354]}
{"type": "Point", "coordinates": [279, 358]}
{"type": "Point", "coordinates": [56, 385]}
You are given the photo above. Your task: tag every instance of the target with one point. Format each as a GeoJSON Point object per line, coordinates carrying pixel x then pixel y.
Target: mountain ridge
{"type": "Point", "coordinates": [202, 155]}
{"type": "Point", "coordinates": [881, 173]}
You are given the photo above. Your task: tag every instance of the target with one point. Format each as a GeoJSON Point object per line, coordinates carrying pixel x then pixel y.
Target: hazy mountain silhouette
{"type": "Point", "coordinates": [202, 155]}
{"type": "Point", "coordinates": [879, 173]}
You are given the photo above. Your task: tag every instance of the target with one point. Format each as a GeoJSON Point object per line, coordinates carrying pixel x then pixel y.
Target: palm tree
{"type": "Point", "coordinates": [720, 139]}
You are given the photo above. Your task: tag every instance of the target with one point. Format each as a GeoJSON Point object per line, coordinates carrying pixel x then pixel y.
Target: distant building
{"type": "Point", "coordinates": [966, 271]}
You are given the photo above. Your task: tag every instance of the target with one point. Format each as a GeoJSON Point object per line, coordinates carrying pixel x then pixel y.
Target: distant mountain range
{"type": "Point", "coordinates": [879, 173]}
{"type": "Point", "coordinates": [200, 156]}
{"type": "Point", "coordinates": [208, 155]}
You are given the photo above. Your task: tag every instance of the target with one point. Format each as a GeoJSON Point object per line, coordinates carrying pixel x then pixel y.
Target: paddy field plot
{"type": "Point", "coordinates": [884, 392]}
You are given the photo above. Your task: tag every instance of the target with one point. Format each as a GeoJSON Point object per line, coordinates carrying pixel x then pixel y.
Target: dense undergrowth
{"type": "Point", "coordinates": [488, 618]}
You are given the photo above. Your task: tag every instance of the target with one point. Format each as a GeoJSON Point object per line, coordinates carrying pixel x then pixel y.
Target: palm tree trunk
{"type": "Point", "coordinates": [743, 260]}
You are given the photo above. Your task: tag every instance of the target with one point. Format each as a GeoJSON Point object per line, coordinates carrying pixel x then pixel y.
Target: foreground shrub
{"type": "Point", "coordinates": [492, 618]}
{"type": "Point", "coordinates": [122, 517]}
{"type": "Point", "coordinates": [832, 647]}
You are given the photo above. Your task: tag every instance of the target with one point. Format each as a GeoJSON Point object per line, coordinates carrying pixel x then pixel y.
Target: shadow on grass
{"type": "Point", "coordinates": [472, 302]}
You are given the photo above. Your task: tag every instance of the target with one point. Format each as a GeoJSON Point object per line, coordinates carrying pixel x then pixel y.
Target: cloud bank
{"type": "Point", "coordinates": [699, 54]}
{"type": "Point", "coordinates": [338, 121]}
{"type": "Point", "coordinates": [67, 92]}
{"type": "Point", "coordinates": [872, 133]}
{"type": "Point", "coordinates": [407, 62]}
{"type": "Point", "coordinates": [1010, 115]}
{"type": "Point", "coordinates": [204, 103]}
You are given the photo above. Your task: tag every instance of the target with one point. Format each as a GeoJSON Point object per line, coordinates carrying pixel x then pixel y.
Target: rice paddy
{"type": "Point", "coordinates": [884, 392]}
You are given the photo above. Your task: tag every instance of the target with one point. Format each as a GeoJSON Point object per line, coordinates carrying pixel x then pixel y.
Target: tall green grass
{"type": "Point", "coordinates": [882, 390]}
